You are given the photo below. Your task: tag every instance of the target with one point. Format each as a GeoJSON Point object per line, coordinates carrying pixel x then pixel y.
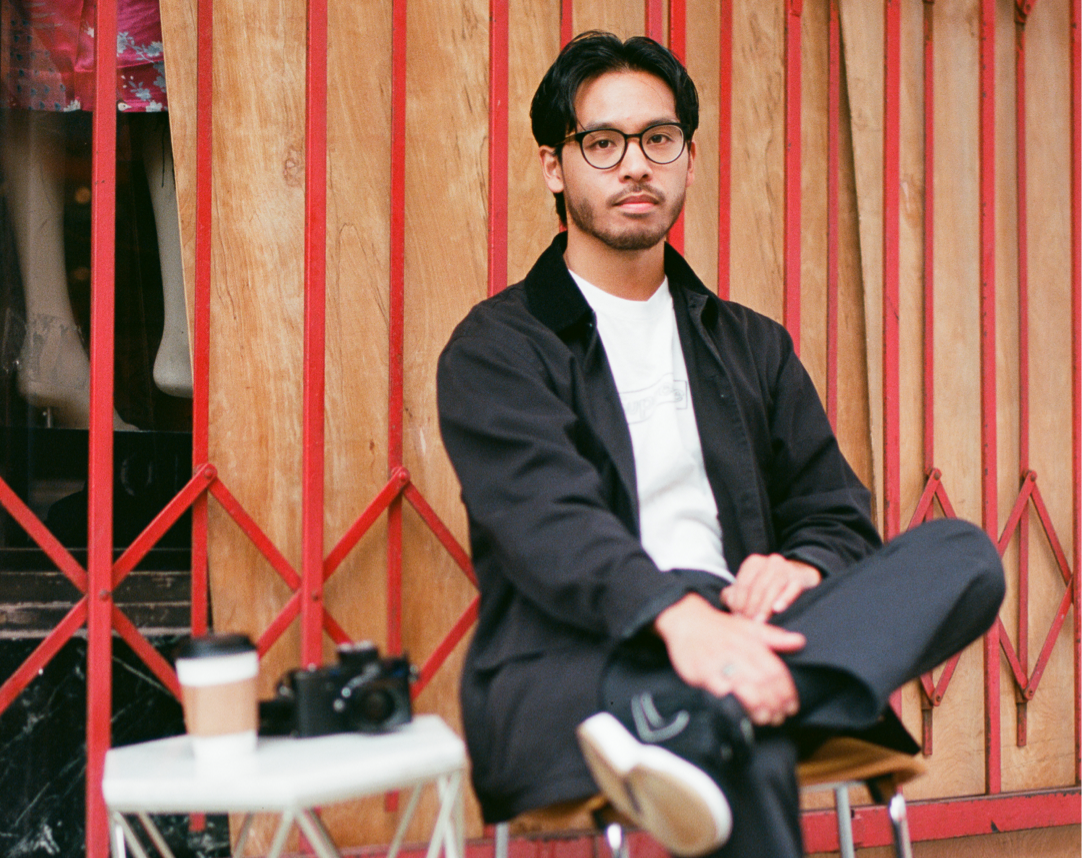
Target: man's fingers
{"type": "Point", "coordinates": [781, 640]}
{"type": "Point", "coordinates": [767, 585]}
{"type": "Point", "coordinates": [786, 597]}
{"type": "Point", "coordinates": [768, 701]}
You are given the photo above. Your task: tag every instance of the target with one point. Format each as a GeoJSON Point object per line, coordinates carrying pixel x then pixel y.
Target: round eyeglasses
{"type": "Point", "coordinates": [604, 148]}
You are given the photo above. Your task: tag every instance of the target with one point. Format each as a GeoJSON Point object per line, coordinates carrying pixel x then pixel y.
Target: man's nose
{"type": "Point", "coordinates": [635, 164]}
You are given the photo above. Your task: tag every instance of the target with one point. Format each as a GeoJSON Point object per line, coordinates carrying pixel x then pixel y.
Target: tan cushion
{"type": "Point", "coordinates": [848, 759]}
{"type": "Point", "coordinates": [566, 816]}
{"type": "Point", "coordinates": [837, 761]}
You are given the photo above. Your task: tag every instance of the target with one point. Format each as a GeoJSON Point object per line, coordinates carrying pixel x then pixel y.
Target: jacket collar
{"type": "Point", "coordinates": [555, 300]}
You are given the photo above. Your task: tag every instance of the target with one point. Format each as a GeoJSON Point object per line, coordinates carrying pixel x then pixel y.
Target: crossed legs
{"type": "Point", "coordinates": [886, 620]}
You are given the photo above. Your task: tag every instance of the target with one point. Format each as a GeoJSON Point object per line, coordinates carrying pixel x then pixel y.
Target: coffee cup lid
{"type": "Point", "coordinates": [214, 644]}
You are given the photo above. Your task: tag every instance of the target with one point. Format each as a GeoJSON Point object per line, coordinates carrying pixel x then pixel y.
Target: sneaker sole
{"type": "Point", "coordinates": [665, 795]}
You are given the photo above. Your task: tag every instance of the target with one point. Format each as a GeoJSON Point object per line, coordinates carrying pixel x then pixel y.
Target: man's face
{"type": "Point", "coordinates": [633, 205]}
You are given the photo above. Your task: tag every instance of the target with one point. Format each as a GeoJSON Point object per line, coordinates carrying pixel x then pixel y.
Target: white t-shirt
{"type": "Point", "coordinates": [678, 516]}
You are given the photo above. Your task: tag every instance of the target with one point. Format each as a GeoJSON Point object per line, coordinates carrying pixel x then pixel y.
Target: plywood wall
{"type": "Point", "coordinates": [256, 309]}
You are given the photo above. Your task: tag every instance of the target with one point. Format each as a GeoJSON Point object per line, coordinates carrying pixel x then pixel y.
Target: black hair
{"type": "Point", "coordinates": [590, 55]}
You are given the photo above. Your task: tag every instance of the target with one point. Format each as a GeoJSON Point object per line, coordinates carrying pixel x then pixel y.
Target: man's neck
{"type": "Point", "coordinates": [631, 274]}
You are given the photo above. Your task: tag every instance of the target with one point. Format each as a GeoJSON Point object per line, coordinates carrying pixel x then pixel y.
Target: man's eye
{"type": "Point", "coordinates": [600, 143]}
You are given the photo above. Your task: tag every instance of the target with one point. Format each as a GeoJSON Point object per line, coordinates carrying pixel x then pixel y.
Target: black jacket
{"type": "Point", "coordinates": [533, 425]}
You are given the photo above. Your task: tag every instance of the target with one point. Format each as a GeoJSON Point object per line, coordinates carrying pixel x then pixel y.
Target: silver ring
{"type": "Point", "coordinates": [728, 669]}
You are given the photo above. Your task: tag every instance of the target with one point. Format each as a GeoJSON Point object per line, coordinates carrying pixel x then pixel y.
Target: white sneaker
{"type": "Point", "coordinates": [675, 801]}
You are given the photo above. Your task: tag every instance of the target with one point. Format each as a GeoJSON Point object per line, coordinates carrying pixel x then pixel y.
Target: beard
{"type": "Point", "coordinates": [634, 234]}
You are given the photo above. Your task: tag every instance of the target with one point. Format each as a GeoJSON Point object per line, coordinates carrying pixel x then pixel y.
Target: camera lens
{"type": "Point", "coordinates": [376, 706]}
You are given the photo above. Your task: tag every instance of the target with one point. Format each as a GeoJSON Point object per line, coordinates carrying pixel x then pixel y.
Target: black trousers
{"type": "Point", "coordinates": [889, 618]}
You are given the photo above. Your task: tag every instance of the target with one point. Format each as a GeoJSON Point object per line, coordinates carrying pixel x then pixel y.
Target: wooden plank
{"type": "Point", "coordinates": [1047, 756]}
{"type": "Point", "coordinates": [757, 266]}
{"type": "Point", "coordinates": [625, 18]}
{"type": "Point", "coordinates": [862, 40]}
{"type": "Point", "coordinates": [957, 765]}
{"type": "Point", "coordinates": [701, 208]}
{"type": "Point", "coordinates": [446, 273]}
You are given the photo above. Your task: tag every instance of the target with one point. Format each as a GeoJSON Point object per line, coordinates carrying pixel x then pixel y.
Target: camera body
{"type": "Point", "coordinates": [363, 693]}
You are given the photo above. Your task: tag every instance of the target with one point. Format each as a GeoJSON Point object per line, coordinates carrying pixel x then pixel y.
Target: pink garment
{"type": "Point", "coordinates": [48, 55]}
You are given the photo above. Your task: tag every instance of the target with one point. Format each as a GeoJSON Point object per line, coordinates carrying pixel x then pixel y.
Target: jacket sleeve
{"type": "Point", "coordinates": [820, 509]}
{"type": "Point", "coordinates": [531, 475]}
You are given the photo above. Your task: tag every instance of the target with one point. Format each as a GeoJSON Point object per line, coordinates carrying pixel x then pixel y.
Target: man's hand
{"type": "Point", "coordinates": [727, 654]}
{"type": "Point", "coordinates": [767, 585]}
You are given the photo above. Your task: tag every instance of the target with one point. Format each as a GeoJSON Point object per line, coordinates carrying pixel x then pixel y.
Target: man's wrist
{"type": "Point", "coordinates": [813, 574]}
{"type": "Point", "coordinates": [669, 620]}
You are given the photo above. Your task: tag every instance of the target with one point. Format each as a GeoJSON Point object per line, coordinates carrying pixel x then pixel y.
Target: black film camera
{"type": "Point", "coordinates": [361, 693]}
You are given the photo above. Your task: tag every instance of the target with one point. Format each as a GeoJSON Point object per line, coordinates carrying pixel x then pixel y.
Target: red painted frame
{"type": "Point", "coordinates": [96, 611]}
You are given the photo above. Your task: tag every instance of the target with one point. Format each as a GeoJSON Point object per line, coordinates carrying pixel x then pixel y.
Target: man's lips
{"type": "Point", "coordinates": [636, 202]}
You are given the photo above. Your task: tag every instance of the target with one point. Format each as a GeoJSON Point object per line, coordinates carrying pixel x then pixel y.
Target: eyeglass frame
{"type": "Point", "coordinates": [580, 136]}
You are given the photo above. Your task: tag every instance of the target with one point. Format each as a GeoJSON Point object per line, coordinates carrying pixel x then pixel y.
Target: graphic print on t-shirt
{"type": "Point", "coordinates": [640, 405]}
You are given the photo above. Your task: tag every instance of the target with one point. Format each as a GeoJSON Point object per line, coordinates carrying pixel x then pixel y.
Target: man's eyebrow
{"type": "Point", "coordinates": [611, 126]}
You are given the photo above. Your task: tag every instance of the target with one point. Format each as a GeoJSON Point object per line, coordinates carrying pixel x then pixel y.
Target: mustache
{"type": "Point", "coordinates": [652, 194]}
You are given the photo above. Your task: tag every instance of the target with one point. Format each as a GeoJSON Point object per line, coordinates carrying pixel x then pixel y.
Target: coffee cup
{"type": "Point", "coordinates": [217, 674]}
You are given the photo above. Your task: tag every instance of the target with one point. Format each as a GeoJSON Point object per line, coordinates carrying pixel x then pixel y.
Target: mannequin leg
{"type": "Point", "coordinates": [173, 363]}
{"type": "Point", "coordinates": [53, 368]}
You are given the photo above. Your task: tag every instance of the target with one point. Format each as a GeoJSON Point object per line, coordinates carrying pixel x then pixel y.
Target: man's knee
{"type": "Point", "coordinates": [965, 555]}
{"type": "Point", "coordinates": [974, 554]}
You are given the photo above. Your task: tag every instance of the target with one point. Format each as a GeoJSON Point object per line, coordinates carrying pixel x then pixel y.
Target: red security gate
{"type": "Point", "coordinates": [96, 611]}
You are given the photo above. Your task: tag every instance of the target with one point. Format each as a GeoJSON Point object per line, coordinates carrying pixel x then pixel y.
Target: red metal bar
{"type": "Point", "coordinates": [929, 236]}
{"type": "Point", "coordinates": [892, 98]}
{"type": "Point", "coordinates": [567, 21]}
{"type": "Point", "coordinates": [441, 532]}
{"type": "Point", "coordinates": [1023, 354]}
{"type": "Point", "coordinates": [164, 520]}
{"type": "Point", "coordinates": [334, 631]}
{"type": "Point", "coordinates": [989, 464]}
{"type": "Point", "coordinates": [655, 20]}
{"type": "Point", "coordinates": [1023, 243]}
{"type": "Point", "coordinates": [399, 479]}
{"type": "Point", "coordinates": [678, 29]}
{"type": "Point", "coordinates": [460, 629]}
{"type": "Point", "coordinates": [394, 575]}
{"type": "Point", "coordinates": [100, 466]}
{"type": "Point", "coordinates": [834, 92]}
{"type": "Point", "coordinates": [938, 691]}
{"type": "Point", "coordinates": [933, 492]}
{"type": "Point", "coordinates": [43, 653]}
{"type": "Point", "coordinates": [1049, 642]}
{"type": "Point", "coordinates": [944, 820]}
{"type": "Point", "coordinates": [396, 321]}
{"type": "Point", "coordinates": [1019, 672]}
{"type": "Point", "coordinates": [791, 241]}
{"type": "Point", "coordinates": [252, 530]}
{"type": "Point", "coordinates": [280, 623]}
{"type": "Point", "coordinates": [1076, 363]}
{"type": "Point", "coordinates": [678, 45]}
{"type": "Point", "coordinates": [44, 538]}
{"type": "Point", "coordinates": [1053, 540]}
{"type": "Point", "coordinates": [498, 38]}
{"type": "Point", "coordinates": [1014, 520]}
{"type": "Point", "coordinates": [928, 820]}
{"type": "Point", "coordinates": [398, 231]}
{"type": "Point", "coordinates": [204, 201]}
{"type": "Point", "coordinates": [725, 142]}
{"type": "Point", "coordinates": [142, 648]}
{"type": "Point", "coordinates": [315, 325]}
{"type": "Point", "coordinates": [927, 498]}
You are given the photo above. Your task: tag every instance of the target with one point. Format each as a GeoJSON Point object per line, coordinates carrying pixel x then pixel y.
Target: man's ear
{"type": "Point", "coordinates": [552, 170]}
{"type": "Point", "coordinates": [693, 150]}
